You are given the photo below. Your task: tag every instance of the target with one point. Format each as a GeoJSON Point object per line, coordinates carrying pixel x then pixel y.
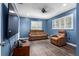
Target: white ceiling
{"type": "Point", "coordinates": [33, 10]}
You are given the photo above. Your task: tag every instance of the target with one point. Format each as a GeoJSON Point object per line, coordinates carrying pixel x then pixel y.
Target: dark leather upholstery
{"type": "Point", "coordinates": [59, 39]}
{"type": "Point", "coordinates": [37, 35]}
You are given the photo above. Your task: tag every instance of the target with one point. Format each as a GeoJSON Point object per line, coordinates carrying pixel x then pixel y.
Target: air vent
{"type": "Point", "coordinates": [20, 3]}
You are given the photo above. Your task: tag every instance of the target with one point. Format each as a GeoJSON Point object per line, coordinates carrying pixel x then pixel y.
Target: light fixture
{"type": "Point", "coordinates": [11, 11]}
{"type": "Point", "coordinates": [20, 3]}
{"type": "Point", "coordinates": [64, 4]}
{"type": "Point", "coordinates": [43, 10]}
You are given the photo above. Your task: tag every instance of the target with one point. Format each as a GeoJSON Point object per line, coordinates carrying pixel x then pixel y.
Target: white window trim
{"type": "Point", "coordinates": [38, 28]}
{"type": "Point", "coordinates": [64, 22]}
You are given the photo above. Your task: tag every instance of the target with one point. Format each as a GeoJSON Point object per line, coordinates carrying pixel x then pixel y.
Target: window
{"type": "Point", "coordinates": [36, 25]}
{"type": "Point", "coordinates": [65, 22]}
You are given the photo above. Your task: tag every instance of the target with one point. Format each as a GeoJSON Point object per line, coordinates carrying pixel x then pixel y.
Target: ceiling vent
{"type": "Point", "coordinates": [20, 3]}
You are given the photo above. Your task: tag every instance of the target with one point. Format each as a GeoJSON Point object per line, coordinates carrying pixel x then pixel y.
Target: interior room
{"type": "Point", "coordinates": [39, 29]}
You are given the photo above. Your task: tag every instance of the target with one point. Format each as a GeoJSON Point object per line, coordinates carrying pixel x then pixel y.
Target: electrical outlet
{"type": "Point", "coordinates": [69, 38]}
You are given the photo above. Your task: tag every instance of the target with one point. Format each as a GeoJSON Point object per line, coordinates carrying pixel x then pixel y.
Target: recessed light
{"type": "Point", "coordinates": [11, 11]}
{"type": "Point", "coordinates": [64, 4]}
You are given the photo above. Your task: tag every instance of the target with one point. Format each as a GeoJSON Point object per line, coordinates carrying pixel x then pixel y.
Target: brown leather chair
{"type": "Point", "coordinates": [59, 39]}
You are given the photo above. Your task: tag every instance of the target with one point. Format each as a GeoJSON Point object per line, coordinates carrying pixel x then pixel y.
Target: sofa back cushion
{"type": "Point", "coordinates": [37, 32]}
{"type": "Point", "coordinates": [62, 33]}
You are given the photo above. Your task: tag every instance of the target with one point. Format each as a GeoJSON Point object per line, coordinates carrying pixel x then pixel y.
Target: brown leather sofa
{"type": "Point", "coordinates": [59, 39]}
{"type": "Point", "coordinates": [37, 35]}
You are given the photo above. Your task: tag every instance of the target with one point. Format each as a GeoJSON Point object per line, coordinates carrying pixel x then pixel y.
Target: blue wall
{"type": "Point", "coordinates": [71, 34]}
{"type": "Point", "coordinates": [6, 49]}
{"type": "Point", "coordinates": [4, 20]}
{"type": "Point", "coordinates": [77, 29]}
{"type": "Point", "coordinates": [0, 29]}
{"type": "Point", "coordinates": [24, 27]}
{"type": "Point", "coordinates": [0, 22]}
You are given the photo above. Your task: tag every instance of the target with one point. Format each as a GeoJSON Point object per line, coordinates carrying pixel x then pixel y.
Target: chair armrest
{"type": "Point", "coordinates": [54, 36]}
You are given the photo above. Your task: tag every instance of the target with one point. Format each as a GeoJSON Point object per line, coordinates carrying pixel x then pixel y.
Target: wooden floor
{"type": "Point", "coordinates": [45, 48]}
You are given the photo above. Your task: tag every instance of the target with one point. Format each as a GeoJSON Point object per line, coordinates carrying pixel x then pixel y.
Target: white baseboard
{"type": "Point", "coordinates": [48, 36]}
{"type": "Point", "coordinates": [24, 38]}
{"type": "Point", "coordinates": [74, 45]}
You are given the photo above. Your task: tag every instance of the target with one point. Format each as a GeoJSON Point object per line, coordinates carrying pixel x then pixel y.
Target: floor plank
{"type": "Point", "coordinates": [45, 48]}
